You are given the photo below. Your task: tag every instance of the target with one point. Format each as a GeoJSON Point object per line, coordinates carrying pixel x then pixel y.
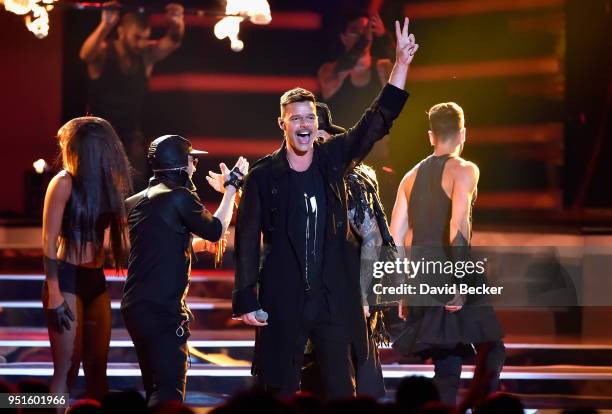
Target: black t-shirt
{"type": "Point", "coordinates": [309, 190]}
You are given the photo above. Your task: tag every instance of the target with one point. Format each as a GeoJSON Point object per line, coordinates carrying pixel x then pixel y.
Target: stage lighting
{"type": "Point", "coordinates": [257, 11]}
{"type": "Point", "coordinates": [35, 13]}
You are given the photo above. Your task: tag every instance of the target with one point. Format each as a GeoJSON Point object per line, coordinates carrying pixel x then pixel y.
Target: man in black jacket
{"type": "Point", "coordinates": [308, 281]}
{"type": "Point", "coordinates": [161, 221]}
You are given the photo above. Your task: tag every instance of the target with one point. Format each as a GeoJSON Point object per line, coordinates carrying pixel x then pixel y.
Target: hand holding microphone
{"type": "Point", "coordinates": [255, 318]}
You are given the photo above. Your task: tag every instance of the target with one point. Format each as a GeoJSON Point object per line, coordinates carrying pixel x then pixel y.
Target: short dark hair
{"type": "Point", "coordinates": [296, 95]}
{"type": "Point", "coordinates": [140, 20]}
{"type": "Point", "coordinates": [445, 120]}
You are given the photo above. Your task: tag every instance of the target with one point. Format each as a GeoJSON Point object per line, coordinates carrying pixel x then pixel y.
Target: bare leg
{"type": "Point", "coordinates": [66, 347]}
{"type": "Point", "coordinates": [96, 340]}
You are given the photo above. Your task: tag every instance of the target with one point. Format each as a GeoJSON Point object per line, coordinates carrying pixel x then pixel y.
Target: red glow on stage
{"type": "Point", "coordinates": [280, 20]}
{"type": "Point", "coordinates": [230, 147]}
{"type": "Point", "coordinates": [216, 82]}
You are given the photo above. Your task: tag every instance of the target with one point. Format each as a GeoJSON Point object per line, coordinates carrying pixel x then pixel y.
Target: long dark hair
{"type": "Point", "coordinates": [94, 156]}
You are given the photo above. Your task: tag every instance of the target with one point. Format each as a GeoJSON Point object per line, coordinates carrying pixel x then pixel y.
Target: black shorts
{"type": "Point", "coordinates": [85, 282]}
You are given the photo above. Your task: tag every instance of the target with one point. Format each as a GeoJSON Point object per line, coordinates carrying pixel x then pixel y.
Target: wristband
{"type": "Point", "coordinates": [236, 179]}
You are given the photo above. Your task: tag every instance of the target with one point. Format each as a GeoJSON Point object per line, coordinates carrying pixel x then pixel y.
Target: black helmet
{"type": "Point", "coordinates": [170, 152]}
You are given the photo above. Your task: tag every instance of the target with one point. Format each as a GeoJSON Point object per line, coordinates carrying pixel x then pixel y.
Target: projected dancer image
{"type": "Point", "coordinates": [119, 68]}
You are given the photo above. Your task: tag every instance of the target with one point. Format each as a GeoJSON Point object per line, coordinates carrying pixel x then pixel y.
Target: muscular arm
{"type": "Point", "coordinates": [464, 189]}
{"type": "Point", "coordinates": [95, 43]}
{"type": "Point", "coordinates": [160, 49]}
{"type": "Point", "coordinates": [400, 224]}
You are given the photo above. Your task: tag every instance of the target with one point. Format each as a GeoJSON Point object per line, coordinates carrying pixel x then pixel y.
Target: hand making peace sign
{"type": "Point", "coordinates": [406, 43]}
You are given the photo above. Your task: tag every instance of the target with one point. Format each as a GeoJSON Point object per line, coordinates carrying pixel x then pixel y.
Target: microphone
{"type": "Point", "coordinates": [261, 315]}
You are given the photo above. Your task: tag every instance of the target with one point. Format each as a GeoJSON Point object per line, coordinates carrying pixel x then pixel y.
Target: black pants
{"type": "Point", "coordinates": [323, 325]}
{"type": "Point", "coordinates": [447, 370]}
{"type": "Point", "coordinates": [162, 355]}
{"type": "Point", "coordinates": [368, 376]}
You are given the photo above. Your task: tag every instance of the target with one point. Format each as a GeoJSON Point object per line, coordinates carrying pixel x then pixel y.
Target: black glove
{"type": "Point", "coordinates": [60, 317]}
{"type": "Point", "coordinates": [236, 179]}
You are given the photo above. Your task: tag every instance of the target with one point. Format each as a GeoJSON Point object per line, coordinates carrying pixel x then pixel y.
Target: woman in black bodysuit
{"type": "Point", "coordinates": [83, 202]}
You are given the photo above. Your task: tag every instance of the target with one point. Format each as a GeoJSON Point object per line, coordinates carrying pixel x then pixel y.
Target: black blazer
{"type": "Point", "coordinates": [272, 278]}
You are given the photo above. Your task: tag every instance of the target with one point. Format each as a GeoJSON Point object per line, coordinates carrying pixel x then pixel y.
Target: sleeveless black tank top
{"type": "Point", "coordinates": [118, 96]}
{"type": "Point", "coordinates": [429, 208]}
{"type": "Point", "coordinates": [349, 102]}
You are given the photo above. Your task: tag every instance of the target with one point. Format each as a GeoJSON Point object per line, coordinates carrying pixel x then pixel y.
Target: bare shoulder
{"type": "Point", "coordinates": [464, 170]}
{"type": "Point", "coordinates": [62, 181]}
{"type": "Point", "coordinates": [410, 175]}
{"type": "Point", "coordinates": [60, 186]}
{"type": "Point", "coordinates": [408, 179]}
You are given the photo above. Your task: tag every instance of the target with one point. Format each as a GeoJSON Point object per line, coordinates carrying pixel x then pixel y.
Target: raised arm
{"type": "Point", "coordinates": [95, 44]}
{"type": "Point", "coordinates": [404, 53]}
{"type": "Point", "coordinates": [226, 208]}
{"type": "Point", "coordinates": [160, 49]}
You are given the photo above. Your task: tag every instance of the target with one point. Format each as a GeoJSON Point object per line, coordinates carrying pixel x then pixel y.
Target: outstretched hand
{"type": "Point", "coordinates": [217, 180]}
{"type": "Point", "coordinates": [406, 43]}
{"type": "Point", "coordinates": [242, 164]}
